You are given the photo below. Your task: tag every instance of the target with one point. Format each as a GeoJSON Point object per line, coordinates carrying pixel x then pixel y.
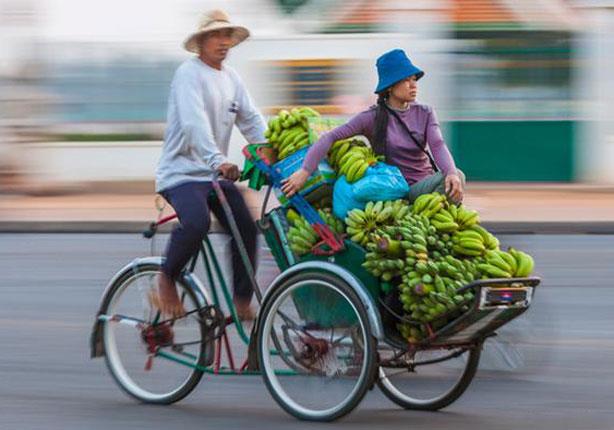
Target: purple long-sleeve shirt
{"type": "Point", "coordinates": [401, 149]}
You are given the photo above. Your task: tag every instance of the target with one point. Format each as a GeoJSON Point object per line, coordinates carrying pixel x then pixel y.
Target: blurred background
{"type": "Point", "coordinates": [522, 87]}
{"type": "Point", "coordinates": [524, 90]}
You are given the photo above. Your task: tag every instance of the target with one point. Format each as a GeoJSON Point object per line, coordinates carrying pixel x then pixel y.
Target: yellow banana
{"type": "Point", "coordinates": [349, 163]}
{"type": "Point", "coordinates": [361, 171]}
{"type": "Point", "coordinates": [345, 158]}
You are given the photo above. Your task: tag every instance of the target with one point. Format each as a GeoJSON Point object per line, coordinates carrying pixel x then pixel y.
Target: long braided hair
{"type": "Point", "coordinates": [380, 134]}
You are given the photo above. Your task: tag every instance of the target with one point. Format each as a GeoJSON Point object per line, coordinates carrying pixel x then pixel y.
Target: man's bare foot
{"type": "Point", "coordinates": [244, 310]}
{"type": "Point", "coordinates": [166, 298]}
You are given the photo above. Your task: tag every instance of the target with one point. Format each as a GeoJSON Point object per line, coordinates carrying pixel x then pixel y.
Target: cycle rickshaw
{"type": "Point", "coordinates": [322, 337]}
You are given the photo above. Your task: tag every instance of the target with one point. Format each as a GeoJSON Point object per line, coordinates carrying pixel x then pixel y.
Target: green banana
{"type": "Point", "coordinates": [351, 172]}
{"type": "Point", "coordinates": [509, 259]}
{"type": "Point", "coordinates": [491, 270]}
{"type": "Point", "coordinates": [360, 172]}
{"type": "Point", "coordinates": [470, 234]}
{"type": "Point", "coordinates": [472, 244]}
{"type": "Point", "coordinates": [525, 264]}
{"type": "Point", "coordinates": [494, 259]}
{"type": "Point", "coordinates": [421, 202]}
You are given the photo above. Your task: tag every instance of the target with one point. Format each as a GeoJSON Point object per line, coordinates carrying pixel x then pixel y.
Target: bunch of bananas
{"type": "Point", "coordinates": [339, 148]}
{"type": "Point", "coordinates": [397, 241]}
{"type": "Point", "coordinates": [437, 281]}
{"type": "Point", "coordinates": [430, 250]}
{"type": "Point", "coordinates": [524, 263]}
{"type": "Point", "coordinates": [387, 257]}
{"type": "Point", "coordinates": [428, 293]}
{"type": "Point", "coordinates": [352, 158]}
{"type": "Point", "coordinates": [464, 217]}
{"type": "Point", "coordinates": [289, 130]}
{"type": "Point", "coordinates": [428, 205]}
{"type": "Point", "coordinates": [302, 237]}
{"type": "Point", "coordinates": [444, 216]}
{"type": "Point", "coordinates": [361, 223]}
{"type": "Point", "coordinates": [473, 241]}
{"type": "Point", "coordinates": [469, 239]}
{"type": "Point", "coordinates": [501, 264]}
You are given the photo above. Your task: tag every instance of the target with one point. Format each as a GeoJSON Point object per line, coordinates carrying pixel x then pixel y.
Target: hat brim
{"type": "Point", "coordinates": [239, 34]}
{"type": "Point", "coordinates": [383, 86]}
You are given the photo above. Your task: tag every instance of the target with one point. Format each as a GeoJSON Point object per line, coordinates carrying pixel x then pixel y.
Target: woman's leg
{"type": "Point", "coordinates": [430, 184]}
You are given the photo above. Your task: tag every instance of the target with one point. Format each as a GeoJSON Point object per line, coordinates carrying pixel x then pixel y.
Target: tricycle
{"type": "Point", "coordinates": [324, 333]}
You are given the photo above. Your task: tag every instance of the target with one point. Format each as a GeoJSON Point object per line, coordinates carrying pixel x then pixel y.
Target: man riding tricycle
{"type": "Point", "coordinates": [385, 277]}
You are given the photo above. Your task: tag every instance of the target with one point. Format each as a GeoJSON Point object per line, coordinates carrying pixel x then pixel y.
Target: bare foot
{"type": "Point", "coordinates": [166, 299]}
{"type": "Point", "coordinates": [244, 310]}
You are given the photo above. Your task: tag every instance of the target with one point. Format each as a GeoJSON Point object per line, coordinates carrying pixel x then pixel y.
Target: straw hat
{"type": "Point", "coordinates": [215, 20]}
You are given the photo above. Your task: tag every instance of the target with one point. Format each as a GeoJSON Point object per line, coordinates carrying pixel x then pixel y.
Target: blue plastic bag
{"type": "Point", "coordinates": [343, 198]}
{"type": "Point", "coordinates": [381, 182]}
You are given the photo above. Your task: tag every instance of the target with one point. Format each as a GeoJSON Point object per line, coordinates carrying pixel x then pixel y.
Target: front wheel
{"type": "Point", "coordinates": [315, 347]}
{"type": "Point", "coordinates": [428, 380]}
{"type": "Point", "coordinates": [141, 350]}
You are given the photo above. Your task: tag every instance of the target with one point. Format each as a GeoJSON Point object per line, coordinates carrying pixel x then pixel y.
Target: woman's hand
{"type": "Point", "coordinates": [454, 187]}
{"type": "Point", "coordinates": [295, 182]}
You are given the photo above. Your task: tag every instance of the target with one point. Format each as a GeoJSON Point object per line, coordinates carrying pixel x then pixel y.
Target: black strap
{"type": "Point", "coordinates": [411, 136]}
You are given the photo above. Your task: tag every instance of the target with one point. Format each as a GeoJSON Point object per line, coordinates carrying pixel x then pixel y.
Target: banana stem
{"type": "Point", "coordinates": [391, 247]}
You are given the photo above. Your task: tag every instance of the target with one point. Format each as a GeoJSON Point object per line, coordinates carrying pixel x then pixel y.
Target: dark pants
{"type": "Point", "coordinates": [434, 182]}
{"type": "Point", "coordinates": [191, 202]}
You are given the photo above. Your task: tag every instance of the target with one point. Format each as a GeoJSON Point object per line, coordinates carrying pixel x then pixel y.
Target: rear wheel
{"type": "Point", "coordinates": [430, 379]}
{"type": "Point", "coordinates": [315, 347]}
{"type": "Point", "coordinates": [135, 338]}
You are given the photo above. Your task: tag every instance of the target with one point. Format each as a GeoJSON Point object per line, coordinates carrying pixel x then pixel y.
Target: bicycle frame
{"type": "Point", "coordinates": [213, 271]}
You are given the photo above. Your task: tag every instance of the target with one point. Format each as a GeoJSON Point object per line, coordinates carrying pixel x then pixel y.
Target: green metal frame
{"type": "Point", "coordinates": [213, 271]}
{"type": "Point", "coordinates": [207, 253]}
{"type": "Point", "coordinates": [222, 371]}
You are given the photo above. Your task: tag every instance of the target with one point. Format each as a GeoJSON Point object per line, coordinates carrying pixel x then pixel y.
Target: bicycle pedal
{"type": "Point", "coordinates": [214, 324]}
{"type": "Point", "coordinates": [211, 317]}
{"type": "Point", "coordinates": [149, 362]}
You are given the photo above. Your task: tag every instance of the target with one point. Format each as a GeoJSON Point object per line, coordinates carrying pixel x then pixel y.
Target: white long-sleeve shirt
{"type": "Point", "coordinates": [203, 106]}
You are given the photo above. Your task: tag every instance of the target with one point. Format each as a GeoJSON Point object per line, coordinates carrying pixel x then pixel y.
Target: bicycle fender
{"type": "Point", "coordinates": [324, 266]}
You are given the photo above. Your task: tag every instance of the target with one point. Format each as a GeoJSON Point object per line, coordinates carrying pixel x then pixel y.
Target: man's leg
{"type": "Point", "coordinates": [242, 286]}
{"type": "Point", "coordinates": [430, 184]}
{"type": "Point", "coordinates": [190, 203]}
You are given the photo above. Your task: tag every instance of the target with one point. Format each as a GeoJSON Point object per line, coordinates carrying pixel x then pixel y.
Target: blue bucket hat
{"type": "Point", "coordinates": [394, 66]}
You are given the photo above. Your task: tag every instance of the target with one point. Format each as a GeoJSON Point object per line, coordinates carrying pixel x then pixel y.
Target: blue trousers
{"type": "Point", "coordinates": [192, 202]}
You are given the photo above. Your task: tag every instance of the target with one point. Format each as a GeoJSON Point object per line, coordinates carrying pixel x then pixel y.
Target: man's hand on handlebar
{"type": "Point", "coordinates": [229, 171]}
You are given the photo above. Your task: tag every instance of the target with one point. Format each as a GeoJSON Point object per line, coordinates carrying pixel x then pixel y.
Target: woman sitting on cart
{"type": "Point", "coordinates": [398, 128]}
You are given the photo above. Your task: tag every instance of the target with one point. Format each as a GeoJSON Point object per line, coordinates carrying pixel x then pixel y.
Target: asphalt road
{"type": "Point", "coordinates": [555, 371]}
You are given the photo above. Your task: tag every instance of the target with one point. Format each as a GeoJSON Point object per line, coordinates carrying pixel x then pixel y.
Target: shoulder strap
{"type": "Point", "coordinates": [411, 136]}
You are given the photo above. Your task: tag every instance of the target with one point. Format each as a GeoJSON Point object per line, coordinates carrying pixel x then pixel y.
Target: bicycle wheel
{"type": "Point", "coordinates": [431, 379]}
{"type": "Point", "coordinates": [317, 360]}
{"type": "Point", "coordinates": [133, 331]}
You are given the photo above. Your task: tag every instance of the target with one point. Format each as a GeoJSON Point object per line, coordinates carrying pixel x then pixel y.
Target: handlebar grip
{"type": "Point", "coordinates": [151, 231]}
